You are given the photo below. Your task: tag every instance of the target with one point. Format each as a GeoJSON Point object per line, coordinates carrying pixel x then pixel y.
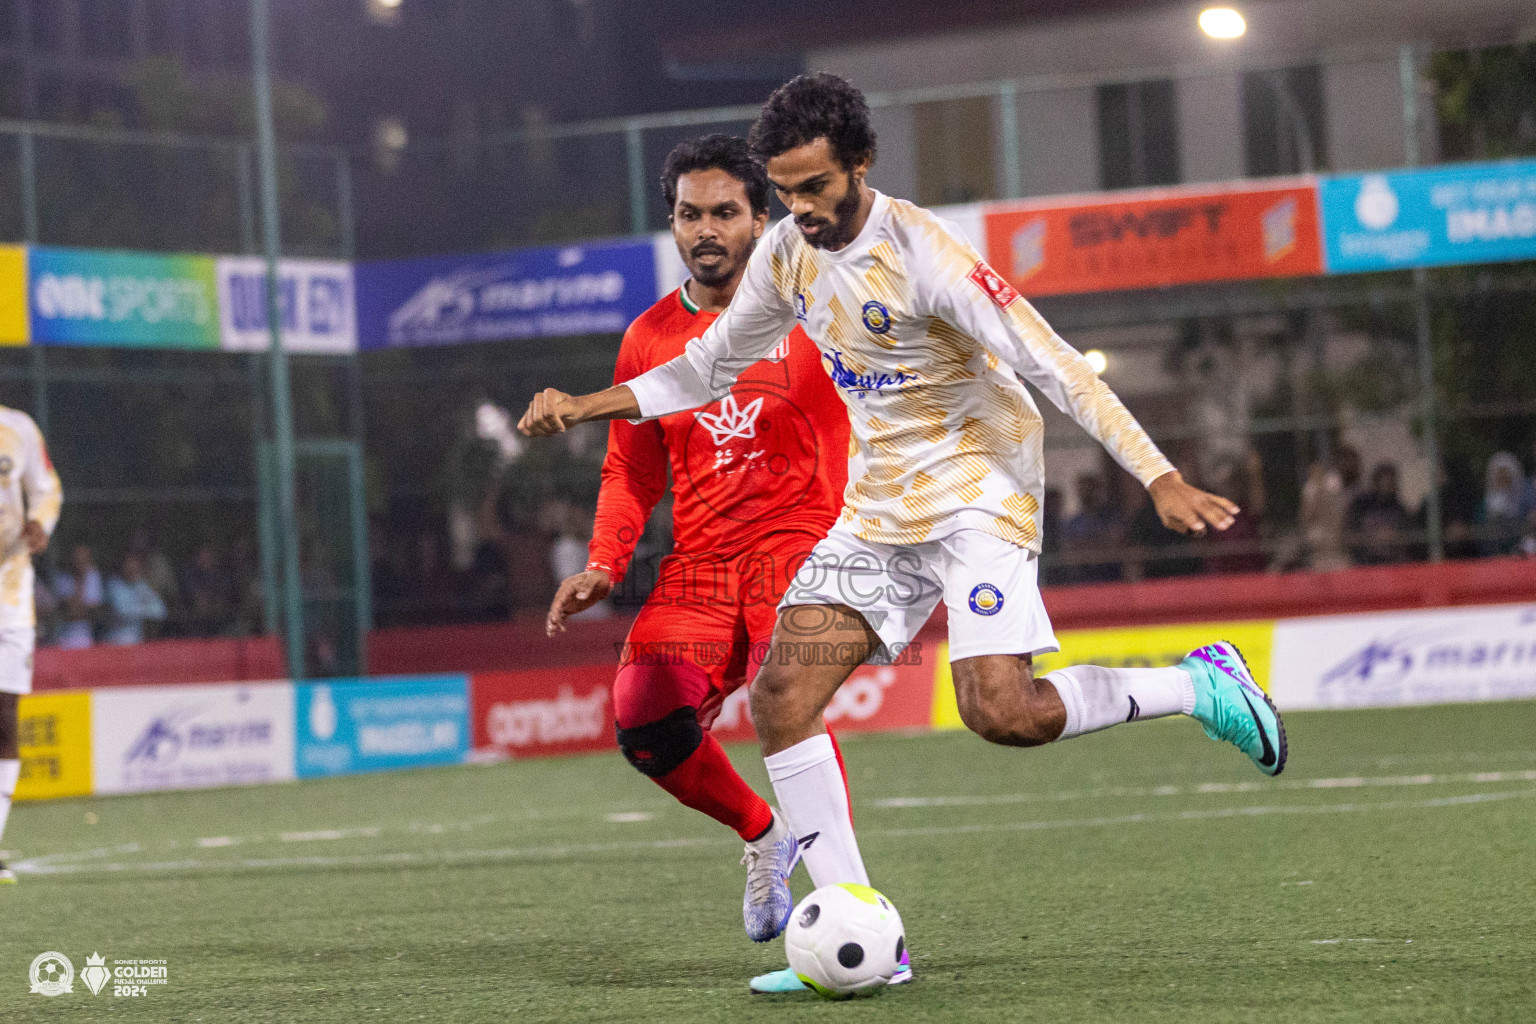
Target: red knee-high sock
{"type": "Point", "coordinates": [838, 750]}
{"type": "Point", "coordinates": [708, 782]}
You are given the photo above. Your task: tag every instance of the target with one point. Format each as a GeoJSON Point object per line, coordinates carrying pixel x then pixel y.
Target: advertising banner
{"type": "Point", "coordinates": [876, 698]}
{"type": "Point", "coordinates": [526, 293]}
{"type": "Point", "coordinates": [1437, 656]}
{"type": "Point", "coordinates": [355, 725]}
{"type": "Point", "coordinates": [187, 737]}
{"type": "Point", "coordinates": [1437, 216]}
{"type": "Point", "coordinates": [96, 297]}
{"type": "Point", "coordinates": [1155, 238]}
{"type": "Point", "coordinates": [539, 712]}
{"type": "Point", "coordinates": [314, 300]}
{"type": "Point", "coordinates": [55, 745]}
{"type": "Point", "coordinates": [13, 295]}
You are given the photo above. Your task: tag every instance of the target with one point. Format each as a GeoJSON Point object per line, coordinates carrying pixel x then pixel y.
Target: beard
{"type": "Point", "coordinates": [838, 232]}
{"type": "Point", "coordinates": [721, 272]}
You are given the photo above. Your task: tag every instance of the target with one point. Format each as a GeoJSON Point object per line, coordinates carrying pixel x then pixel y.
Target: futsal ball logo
{"type": "Point", "coordinates": [876, 317]}
{"type": "Point", "coordinates": [986, 599]}
{"type": "Point", "coordinates": [52, 974]}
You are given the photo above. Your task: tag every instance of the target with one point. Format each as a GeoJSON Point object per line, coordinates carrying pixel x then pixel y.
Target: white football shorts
{"type": "Point", "coordinates": [16, 646]}
{"type": "Point", "coordinates": [991, 588]}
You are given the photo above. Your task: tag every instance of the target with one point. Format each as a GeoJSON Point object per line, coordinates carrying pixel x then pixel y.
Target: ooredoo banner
{"type": "Point", "coordinates": [188, 737]}
{"type": "Point", "coordinates": [1436, 656]}
{"type": "Point", "coordinates": [526, 293]}
{"type": "Point", "coordinates": [540, 712]}
{"type": "Point", "coordinates": [1155, 238]}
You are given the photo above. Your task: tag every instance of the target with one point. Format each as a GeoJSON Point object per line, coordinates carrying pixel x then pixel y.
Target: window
{"type": "Point", "coordinates": [8, 19]}
{"type": "Point", "coordinates": [48, 25]}
{"type": "Point", "coordinates": [1283, 121]}
{"type": "Point", "coordinates": [1138, 134]}
{"type": "Point", "coordinates": [106, 28]}
{"type": "Point", "coordinates": [162, 29]}
{"type": "Point", "coordinates": [954, 151]}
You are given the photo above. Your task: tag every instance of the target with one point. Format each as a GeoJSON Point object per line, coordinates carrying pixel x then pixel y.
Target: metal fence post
{"type": "Point", "coordinates": [1407, 65]}
{"type": "Point", "coordinates": [1008, 115]}
{"type": "Point", "coordinates": [28, 154]}
{"type": "Point", "coordinates": [247, 198]}
{"type": "Point", "coordinates": [634, 137]}
{"type": "Point", "coordinates": [344, 206]}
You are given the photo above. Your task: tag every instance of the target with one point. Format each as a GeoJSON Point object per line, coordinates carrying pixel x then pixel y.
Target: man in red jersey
{"type": "Point", "coordinates": [757, 480]}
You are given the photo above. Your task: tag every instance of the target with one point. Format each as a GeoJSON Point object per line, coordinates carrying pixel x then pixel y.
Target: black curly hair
{"type": "Point", "coordinates": [723, 152]}
{"type": "Point", "coordinates": [811, 107]}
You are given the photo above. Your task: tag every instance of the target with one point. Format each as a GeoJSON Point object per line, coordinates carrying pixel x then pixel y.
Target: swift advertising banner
{"type": "Point", "coordinates": [1436, 216]}
{"type": "Point", "coordinates": [527, 293]}
{"type": "Point", "coordinates": [94, 297]}
{"type": "Point", "coordinates": [13, 295]}
{"type": "Point", "coordinates": [314, 300]}
{"type": "Point", "coordinates": [1156, 238]}
{"type": "Point", "coordinates": [365, 725]}
{"type": "Point", "coordinates": [186, 737]}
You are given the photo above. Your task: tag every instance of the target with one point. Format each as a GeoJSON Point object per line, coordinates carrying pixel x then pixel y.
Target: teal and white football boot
{"type": "Point", "coordinates": [1232, 706]}
{"type": "Point", "coordinates": [776, 982]}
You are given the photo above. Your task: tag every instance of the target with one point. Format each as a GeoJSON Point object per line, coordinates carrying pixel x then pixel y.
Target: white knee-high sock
{"type": "Point", "coordinates": [814, 800]}
{"type": "Point", "coordinates": [1097, 698]}
{"type": "Point", "coordinates": [10, 771]}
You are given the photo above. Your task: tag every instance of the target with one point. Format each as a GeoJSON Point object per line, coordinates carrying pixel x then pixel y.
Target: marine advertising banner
{"type": "Point", "coordinates": [1435, 216]}
{"type": "Point", "coordinates": [1437, 656]}
{"type": "Point", "coordinates": [137, 299]}
{"type": "Point", "coordinates": [55, 745]}
{"type": "Point", "coordinates": [187, 737]}
{"type": "Point", "coordinates": [526, 293]}
{"type": "Point", "coordinates": [1155, 238]}
{"type": "Point", "coordinates": [314, 299]}
{"type": "Point", "coordinates": [346, 726]}
{"type": "Point", "coordinates": [14, 328]}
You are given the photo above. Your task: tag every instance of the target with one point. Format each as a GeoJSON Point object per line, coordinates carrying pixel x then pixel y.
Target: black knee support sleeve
{"type": "Point", "coordinates": [656, 748]}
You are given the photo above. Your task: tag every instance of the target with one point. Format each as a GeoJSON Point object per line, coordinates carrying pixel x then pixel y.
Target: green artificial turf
{"type": "Point", "coordinates": [1142, 874]}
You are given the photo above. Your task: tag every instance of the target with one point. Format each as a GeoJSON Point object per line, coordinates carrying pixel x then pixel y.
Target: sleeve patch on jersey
{"type": "Point", "coordinates": [991, 282]}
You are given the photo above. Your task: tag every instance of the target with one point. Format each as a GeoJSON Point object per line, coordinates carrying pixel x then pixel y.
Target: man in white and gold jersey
{"type": "Point", "coordinates": [929, 348]}
{"type": "Point", "coordinates": [30, 497]}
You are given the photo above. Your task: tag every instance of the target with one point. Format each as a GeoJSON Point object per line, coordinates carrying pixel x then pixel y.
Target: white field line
{"type": "Point", "coordinates": [567, 851]}
{"type": "Point", "coordinates": [1346, 782]}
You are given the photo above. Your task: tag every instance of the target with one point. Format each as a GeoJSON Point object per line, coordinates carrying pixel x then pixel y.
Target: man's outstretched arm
{"type": "Point", "coordinates": [552, 411]}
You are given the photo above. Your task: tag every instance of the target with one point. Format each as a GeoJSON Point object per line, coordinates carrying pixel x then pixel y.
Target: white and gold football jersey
{"type": "Point", "coordinates": [29, 489]}
{"type": "Point", "coordinates": [927, 346]}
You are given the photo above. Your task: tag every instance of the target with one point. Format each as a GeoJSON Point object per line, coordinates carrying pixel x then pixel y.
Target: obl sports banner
{"type": "Point", "coordinates": [525, 293]}
{"type": "Point", "coordinates": [1436, 216]}
{"type": "Point", "coordinates": [96, 297]}
{"type": "Point", "coordinates": [1155, 238]}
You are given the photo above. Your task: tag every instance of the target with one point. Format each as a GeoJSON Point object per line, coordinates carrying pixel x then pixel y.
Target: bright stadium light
{"type": "Point", "coordinates": [1222, 23]}
{"type": "Point", "coordinates": [1097, 359]}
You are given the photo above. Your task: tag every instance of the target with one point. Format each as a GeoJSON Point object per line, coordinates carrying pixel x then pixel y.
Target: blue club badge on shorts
{"type": "Point", "coordinates": [876, 317]}
{"type": "Point", "coordinates": [986, 599]}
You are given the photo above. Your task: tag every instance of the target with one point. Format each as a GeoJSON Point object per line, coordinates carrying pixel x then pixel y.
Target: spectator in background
{"type": "Point", "coordinates": [1240, 546]}
{"type": "Point", "coordinates": [1325, 501]}
{"type": "Point", "coordinates": [1502, 514]}
{"type": "Point", "coordinates": [208, 593]}
{"type": "Point", "coordinates": [158, 571]}
{"type": "Point", "coordinates": [1377, 520]}
{"type": "Point", "coordinates": [1050, 537]}
{"type": "Point", "coordinates": [131, 602]}
{"type": "Point", "coordinates": [80, 596]}
{"type": "Point", "coordinates": [568, 554]}
{"type": "Point", "coordinates": [1095, 527]}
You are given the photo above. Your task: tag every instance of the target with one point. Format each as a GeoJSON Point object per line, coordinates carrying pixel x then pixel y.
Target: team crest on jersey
{"type": "Point", "coordinates": [876, 317]}
{"type": "Point", "coordinates": [732, 422]}
{"type": "Point", "coordinates": [986, 599]}
{"type": "Point", "coordinates": [991, 282]}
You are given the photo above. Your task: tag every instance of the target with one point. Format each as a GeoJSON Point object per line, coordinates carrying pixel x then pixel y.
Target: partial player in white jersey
{"type": "Point", "coordinates": [30, 497]}
{"type": "Point", "coordinates": [928, 347]}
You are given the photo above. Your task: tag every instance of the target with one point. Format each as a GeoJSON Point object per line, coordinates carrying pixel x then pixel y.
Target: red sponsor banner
{"type": "Point", "coordinates": [876, 698]}
{"type": "Point", "coordinates": [1156, 238]}
{"type": "Point", "coordinates": [539, 712]}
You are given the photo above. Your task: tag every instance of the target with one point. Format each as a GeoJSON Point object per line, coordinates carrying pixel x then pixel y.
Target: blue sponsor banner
{"type": "Point", "coordinates": [1438, 216]}
{"type": "Point", "coordinates": [346, 726]}
{"type": "Point", "coordinates": [526, 293]}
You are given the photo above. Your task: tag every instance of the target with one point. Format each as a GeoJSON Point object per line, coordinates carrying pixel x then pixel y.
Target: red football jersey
{"type": "Point", "coordinates": [772, 455]}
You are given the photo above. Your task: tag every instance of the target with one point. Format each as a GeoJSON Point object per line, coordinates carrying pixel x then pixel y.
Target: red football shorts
{"type": "Point", "coordinates": [716, 615]}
